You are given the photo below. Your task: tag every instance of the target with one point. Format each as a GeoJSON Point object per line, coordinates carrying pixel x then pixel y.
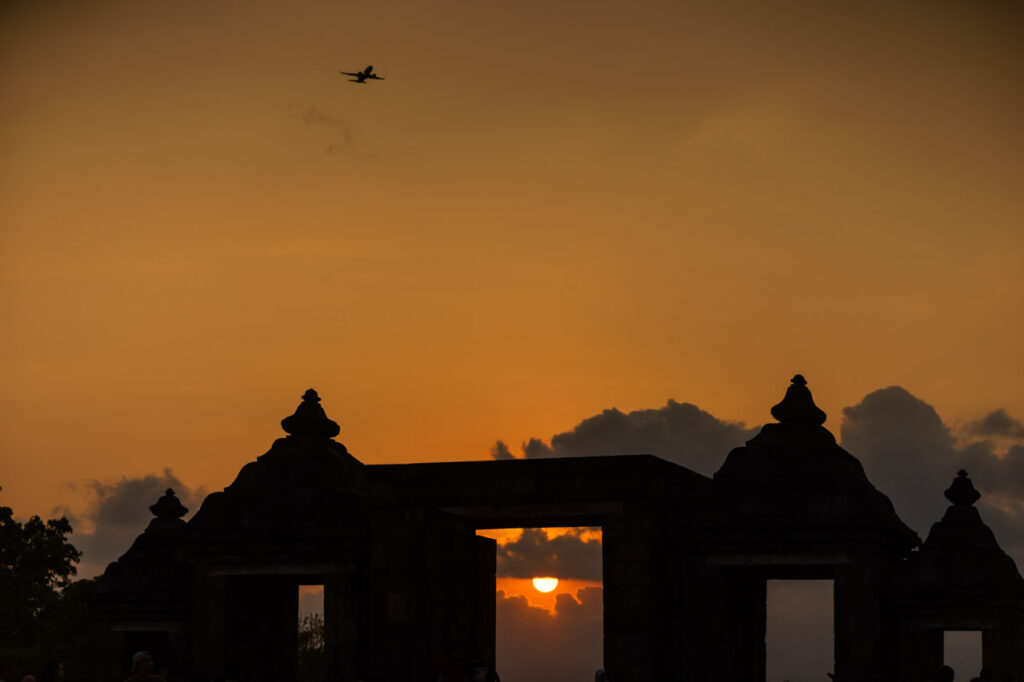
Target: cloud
{"type": "Point", "coordinates": [996, 423]}
{"type": "Point", "coordinates": [567, 557]}
{"type": "Point", "coordinates": [501, 451]}
{"type": "Point", "coordinates": [908, 452]}
{"type": "Point", "coordinates": [562, 646]}
{"type": "Point", "coordinates": [118, 513]}
{"type": "Point", "coordinates": [679, 432]}
{"type": "Point", "coordinates": [316, 116]}
{"type": "Point", "coordinates": [912, 455]}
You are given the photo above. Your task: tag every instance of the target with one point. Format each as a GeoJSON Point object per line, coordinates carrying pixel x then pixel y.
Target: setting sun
{"type": "Point", "coordinates": [545, 584]}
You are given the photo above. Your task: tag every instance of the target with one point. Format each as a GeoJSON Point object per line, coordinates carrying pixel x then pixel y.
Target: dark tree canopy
{"type": "Point", "coordinates": [37, 563]}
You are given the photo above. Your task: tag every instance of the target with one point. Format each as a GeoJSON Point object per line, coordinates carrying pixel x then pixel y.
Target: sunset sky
{"type": "Point", "coordinates": [545, 211]}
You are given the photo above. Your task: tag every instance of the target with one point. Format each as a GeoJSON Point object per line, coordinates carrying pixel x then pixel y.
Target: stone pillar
{"type": "Point", "coordinates": [486, 571]}
{"type": "Point", "coordinates": [699, 605]}
{"type": "Point", "coordinates": [637, 618]}
{"type": "Point", "coordinates": [858, 621]}
{"type": "Point", "coordinates": [262, 627]}
{"type": "Point", "coordinates": [743, 651]}
{"type": "Point", "coordinates": [396, 643]}
{"type": "Point", "coordinates": [209, 626]}
{"type": "Point", "coordinates": [112, 659]}
{"type": "Point", "coordinates": [344, 621]}
{"type": "Point", "coordinates": [920, 652]}
{"type": "Point", "coordinates": [1002, 650]}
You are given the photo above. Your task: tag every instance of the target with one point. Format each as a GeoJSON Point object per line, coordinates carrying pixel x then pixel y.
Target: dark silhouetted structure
{"type": "Point", "coordinates": [686, 560]}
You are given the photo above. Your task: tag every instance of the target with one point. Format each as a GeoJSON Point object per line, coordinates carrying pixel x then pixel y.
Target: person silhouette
{"type": "Point", "coordinates": [944, 674]}
{"type": "Point", "coordinates": [455, 666]}
{"type": "Point", "coordinates": [142, 668]}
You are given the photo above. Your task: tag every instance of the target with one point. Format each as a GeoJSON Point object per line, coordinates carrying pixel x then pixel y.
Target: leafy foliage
{"type": "Point", "coordinates": [311, 646]}
{"type": "Point", "coordinates": [42, 613]}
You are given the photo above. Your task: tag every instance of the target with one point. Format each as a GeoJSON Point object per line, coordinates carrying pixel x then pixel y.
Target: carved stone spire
{"type": "Point", "coordinates": [798, 406]}
{"type": "Point", "coordinates": [310, 419]}
{"type": "Point", "coordinates": [168, 506]}
{"type": "Point", "coordinates": [962, 492]}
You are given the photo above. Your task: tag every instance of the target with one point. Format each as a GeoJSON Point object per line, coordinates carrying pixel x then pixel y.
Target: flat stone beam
{"type": "Point", "coordinates": [274, 569]}
{"type": "Point", "coordinates": [538, 491]}
{"type": "Point", "coordinates": [152, 626]}
{"type": "Point", "coordinates": [809, 559]}
{"type": "Point", "coordinates": [538, 516]}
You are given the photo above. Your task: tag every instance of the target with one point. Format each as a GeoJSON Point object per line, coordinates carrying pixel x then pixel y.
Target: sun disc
{"type": "Point", "coordinates": [545, 584]}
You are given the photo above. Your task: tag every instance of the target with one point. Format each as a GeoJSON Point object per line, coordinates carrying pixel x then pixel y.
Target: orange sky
{"type": "Point", "coordinates": [547, 209]}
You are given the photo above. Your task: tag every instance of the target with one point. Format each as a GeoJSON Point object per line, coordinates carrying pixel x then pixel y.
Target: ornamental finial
{"type": "Point", "coordinates": [962, 492]}
{"type": "Point", "coordinates": [798, 405]}
{"type": "Point", "coordinates": [168, 506]}
{"type": "Point", "coordinates": [310, 419]}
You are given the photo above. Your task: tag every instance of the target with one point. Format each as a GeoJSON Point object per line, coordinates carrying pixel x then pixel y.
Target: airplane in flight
{"type": "Point", "coordinates": [361, 76]}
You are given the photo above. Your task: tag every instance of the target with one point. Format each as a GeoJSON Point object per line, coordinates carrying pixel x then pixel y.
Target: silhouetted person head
{"type": "Point", "coordinates": [944, 674]}
{"type": "Point", "coordinates": [142, 664]}
{"type": "Point", "coordinates": [455, 666]}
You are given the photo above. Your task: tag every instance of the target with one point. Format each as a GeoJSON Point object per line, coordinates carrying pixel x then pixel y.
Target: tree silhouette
{"type": "Point", "coordinates": [37, 563]}
{"type": "Point", "coordinates": [311, 646]}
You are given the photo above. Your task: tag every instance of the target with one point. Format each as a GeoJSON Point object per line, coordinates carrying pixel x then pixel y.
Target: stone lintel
{"type": "Point", "coordinates": [540, 515]}
{"type": "Point", "coordinates": [146, 626]}
{"type": "Point", "coordinates": [811, 559]}
{"type": "Point", "coordinates": [955, 623]}
{"type": "Point", "coordinates": [276, 569]}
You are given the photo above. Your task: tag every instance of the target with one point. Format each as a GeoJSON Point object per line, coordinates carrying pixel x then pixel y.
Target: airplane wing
{"type": "Point", "coordinates": [346, 73]}
{"type": "Point", "coordinates": [375, 77]}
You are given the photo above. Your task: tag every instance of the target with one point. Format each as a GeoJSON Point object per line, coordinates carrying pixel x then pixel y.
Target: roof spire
{"type": "Point", "coordinates": [798, 405]}
{"type": "Point", "coordinates": [962, 492]}
{"type": "Point", "coordinates": [168, 506]}
{"type": "Point", "coordinates": [310, 419]}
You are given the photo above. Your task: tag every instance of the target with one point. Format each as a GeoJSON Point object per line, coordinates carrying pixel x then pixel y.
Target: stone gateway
{"type": "Point", "coordinates": [686, 559]}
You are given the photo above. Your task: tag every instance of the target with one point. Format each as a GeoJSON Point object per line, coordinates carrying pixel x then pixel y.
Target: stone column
{"type": "Point", "coordinates": [111, 657]}
{"type": "Point", "coordinates": [344, 620]}
{"type": "Point", "coordinates": [209, 626]}
{"type": "Point", "coordinates": [262, 627]}
{"type": "Point", "coordinates": [636, 609]}
{"type": "Point", "coordinates": [699, 605]}
{"type": "Point", "coordinates": [1002, 650]}
{"type": "Point", "coordinates": [742, 653]}
{"type": "Point", "coordinates": [858, 631]}
{"type": "Point", "coordinates": [920, 652]}
{"type": "Point", "coordinates": [485, 598]}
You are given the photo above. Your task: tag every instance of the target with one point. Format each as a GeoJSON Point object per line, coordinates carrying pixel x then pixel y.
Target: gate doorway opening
{"type": "Point", "coordinates": [549, 603]}
{"type": "Point", "coordinates": [961, 651]}
{"type": "Point", "coordinates": [310, 650]}
{"type": "Point", "coordinates": [800, 638]}
{"type": "Point", "coordinates": [264, 623]}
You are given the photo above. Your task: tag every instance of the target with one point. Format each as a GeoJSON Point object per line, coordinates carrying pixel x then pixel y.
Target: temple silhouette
{"type": "Point", "coordinates": [686, 560]}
